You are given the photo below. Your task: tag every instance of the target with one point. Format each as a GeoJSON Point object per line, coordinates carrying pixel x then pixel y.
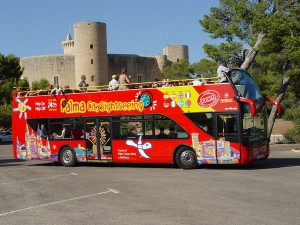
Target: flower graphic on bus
{"type": "Point", "coordinates": [93, 136]}
{"type": "Point", "coordinates": [147, 98]}
{"type": "Point", "coordinates": [22, 107]}
{"type": "Point", "coordinates": [141, 147]}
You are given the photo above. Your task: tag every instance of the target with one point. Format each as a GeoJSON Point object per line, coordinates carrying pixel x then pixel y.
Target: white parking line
{"type": "Point", "coordinates": [62, 201]}
{"type": "Point", "coordinates": [20, 181]}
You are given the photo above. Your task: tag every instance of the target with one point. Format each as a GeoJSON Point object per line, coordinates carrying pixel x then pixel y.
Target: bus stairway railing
{"type": "Point", "coordinates": [250, 102]}
{"type": "Point", "coordinates": [274, 102]}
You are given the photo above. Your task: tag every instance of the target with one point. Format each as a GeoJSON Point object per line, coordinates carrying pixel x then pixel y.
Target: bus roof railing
{"type": "Point", "coordinates": [140, 85]}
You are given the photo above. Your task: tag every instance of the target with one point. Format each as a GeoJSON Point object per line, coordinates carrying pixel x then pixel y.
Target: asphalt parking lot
{"type": "Point", "coordinates": [265, 192]}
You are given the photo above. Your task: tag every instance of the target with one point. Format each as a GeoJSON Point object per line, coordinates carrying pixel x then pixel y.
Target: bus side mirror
{"type": "Point", "coordinates": [247, 101]}
{"type": "Point", "coordinates": [274, 102]}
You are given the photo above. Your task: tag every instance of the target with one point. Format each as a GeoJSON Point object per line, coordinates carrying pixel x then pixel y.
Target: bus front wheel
{"type": "Point", "coordinates": [67, 157]}
{"type": "Point", "coordinates": [186, 158]}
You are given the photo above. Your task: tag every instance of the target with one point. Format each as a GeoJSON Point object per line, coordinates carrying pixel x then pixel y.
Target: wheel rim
{"type": "Point", "coordinates": [187, 158]}
{"type": "Point", "coordinates": [67, 156]}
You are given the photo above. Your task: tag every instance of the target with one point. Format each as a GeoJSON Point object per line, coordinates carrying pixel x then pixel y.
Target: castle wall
{"type": "Point", "coordinates": [87, 54]}
{"type": "Point", "coordinates": [90, 50]}
{"type": "Point", "coordinates": [48, 67]}
{"type": "Point", "coordinates": [146, 68]}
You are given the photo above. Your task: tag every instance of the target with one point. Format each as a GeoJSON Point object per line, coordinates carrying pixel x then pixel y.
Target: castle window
{"type": "Point", "coordinates": [139, 78]}
{"type": "Point", "coordinates": [92, 78]}
{"type": "Point", "coordinates": [56, 81]}
{"type": "Point", "coordinates": [91, 46]}
{"type": "Point", "coordinates": [92, 61]}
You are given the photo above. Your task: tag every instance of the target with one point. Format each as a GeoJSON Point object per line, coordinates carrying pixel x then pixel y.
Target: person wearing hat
{"type": "Point", "coordinates": [113, 84]}
{"type": "Point", "coordinates": [221, 70]}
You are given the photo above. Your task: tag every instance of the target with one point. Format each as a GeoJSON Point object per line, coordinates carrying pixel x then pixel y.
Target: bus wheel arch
{"type": "Point", "coordinates": [185, 157]}
{"type": "Point", "coordinates": [67, 156]}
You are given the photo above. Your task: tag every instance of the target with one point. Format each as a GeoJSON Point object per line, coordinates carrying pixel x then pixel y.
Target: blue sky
{"type": "Point", "coordinates": [37, 27]}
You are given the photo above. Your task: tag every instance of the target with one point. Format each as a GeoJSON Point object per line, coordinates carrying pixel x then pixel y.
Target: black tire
{"type": "Point", "coordinates": [67, 157]}
{"type": "Point", "coordinates": [186, 158]}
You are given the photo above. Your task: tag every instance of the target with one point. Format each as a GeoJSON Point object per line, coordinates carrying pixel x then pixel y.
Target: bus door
{"type": "Point", "coordinates": [228, 138]}
{"type": "Point", "coordinates": [97, 138]}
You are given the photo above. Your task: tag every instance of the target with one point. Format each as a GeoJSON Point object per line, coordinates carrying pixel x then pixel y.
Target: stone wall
{"type": "Point", "coordinates": [144, 67]}
{"type": "Point", "coordinates": [48, 67]}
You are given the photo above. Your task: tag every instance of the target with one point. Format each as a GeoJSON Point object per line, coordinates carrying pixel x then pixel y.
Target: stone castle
{"type": "Point", "coordinates": [87, 54]}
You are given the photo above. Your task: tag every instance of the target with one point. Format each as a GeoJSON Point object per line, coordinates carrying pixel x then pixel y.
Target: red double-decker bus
{"type": "Point", "coordinates": [216, 123]}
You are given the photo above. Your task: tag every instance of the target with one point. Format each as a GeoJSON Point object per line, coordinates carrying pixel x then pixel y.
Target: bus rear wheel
{"type": "Point", "coordinates": [186, 158]}
{"type": "Point", "coordinates": [67, 157]}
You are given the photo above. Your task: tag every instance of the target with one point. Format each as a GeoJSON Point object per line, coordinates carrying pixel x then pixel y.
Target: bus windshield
{"type": "Point", "coordinates": [245, 85]}
{"type": "Point", "coordinates": [254, 127]}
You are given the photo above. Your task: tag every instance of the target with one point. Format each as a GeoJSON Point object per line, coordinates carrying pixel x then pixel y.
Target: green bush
{"type": "Point", "coordinates": [293, 135]}
{"type": "Point", "coordinates": [5, 116]}
{"type": "Point", "coordinates": [292, 114]}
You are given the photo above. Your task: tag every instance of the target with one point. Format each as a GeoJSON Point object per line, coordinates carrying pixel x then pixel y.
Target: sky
{"type": "Point", "coordinates": [142, 27]}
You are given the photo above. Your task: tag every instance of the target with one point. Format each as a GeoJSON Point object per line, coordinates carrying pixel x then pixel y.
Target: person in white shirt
{"type": "Point", "coordinates": [197, 80]}
{"type": "Point", "coordinates": [113, 84]}
{"type": "Point", "coordinates": [56, 90]}
{"type": "Point", "coordinates": [221, 70]}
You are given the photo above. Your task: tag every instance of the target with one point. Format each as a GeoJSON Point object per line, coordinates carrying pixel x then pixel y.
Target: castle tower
{"type": "Point", "coordinates": [176, 52]}
{"type": "Point", "coordinates": [68, 45]}
{"type": "Point", "coordinates": [90, 51]}
{"type": "Point", "coordinates": [162, 61]}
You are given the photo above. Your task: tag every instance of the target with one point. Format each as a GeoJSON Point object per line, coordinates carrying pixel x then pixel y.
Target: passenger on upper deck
{"type": "Point", "coordinates": [197, 80]}
{"type": "Point", "coordinates": [57, 90]}
{"type": "Point", "coordinates": [67, 90]}
{"type": "Point", "coordinates": [82, 84]}
{"type": "Point", "coordinates": [113, 84]}
{"type": "Point", "coordinates": [221, 70]}
{"type": "Point", "coordinates": [124, 79]}
{"type": "Point", "coordinates": [155, 83]}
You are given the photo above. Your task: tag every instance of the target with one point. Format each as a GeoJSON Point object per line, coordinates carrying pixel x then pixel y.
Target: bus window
{"type": "Point", "coordinates": [40, 126]}
{"type": "Point", "coordinates": [61, 129]}
{"type": "Point", "coordinates": [132, 127]}
{"type": "Point", "coordinates": [202, 120]}
{"type": "Point", "coordinates": [227, 127]}
{"type": "Point", "coordinates": [171, 129]}
{"type": "Point", "coordinates": [254, 127]}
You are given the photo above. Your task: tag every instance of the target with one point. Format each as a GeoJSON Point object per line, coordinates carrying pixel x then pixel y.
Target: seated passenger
{"type": "Point", "coordinates": [197, 81]}
{"type": "Point", "coordinates": [172, 133]}
{"type": "Point", "coordinates": [43, 131]}
{"type": "Point", "coordinates": [65, 133]}
{"type": "Point", "coordinates": [57, 90]}
{"type": "Point", "coordinates": [161, 134]}
{"type": "Point", "coordinates": [77, 133]}
{"type": "Point", "coordinates": [67, 90]}
{"type": "Point", "coordinates": [132, 132]}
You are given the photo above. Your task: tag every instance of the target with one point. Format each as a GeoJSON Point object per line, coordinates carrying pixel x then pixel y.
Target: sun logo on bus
{"type": "Point", "coordinates": [140, 146]}
{"type": "Point", "coordinates": [147, 98]}
{"type": "Point", "coordinates": [22, 107]}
